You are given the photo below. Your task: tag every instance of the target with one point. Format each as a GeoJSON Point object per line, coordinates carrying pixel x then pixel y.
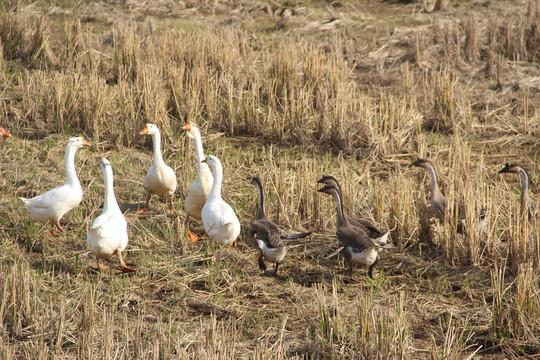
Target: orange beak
{"type": "Point", "coordinates": [4, 133]}
{"type": "Point", "coordinates": [144, 131]}
{"type": "Point", "coordinates": [85, 143]}
{"type": "Point", "coordinates": [204, 161]}
{"type": "Point", "coordinates": [188, 126]}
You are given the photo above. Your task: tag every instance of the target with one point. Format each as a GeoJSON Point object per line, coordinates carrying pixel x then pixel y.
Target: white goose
{"type": "Point", "coordinates": [200, 189]}
{"type": "Point", "coordinates": [108, 234]}
{"type": "Point", "coordinates": [52, 205]}
{"type": "Point", "coordinates": [160, 178]}
{"type": "Point", "coordinates": [219, 220]}
{"type": "Point", "coordinates": [4, 133]}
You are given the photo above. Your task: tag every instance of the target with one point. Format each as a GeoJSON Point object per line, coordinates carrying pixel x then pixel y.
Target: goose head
{"type": "Point", "coordinates": [328, 180]}
{"type": "Point", "coordinates": [191, 129]}
{"type": "Point", "coordinates": [420, 162]}
{"type": "Point", "coordinates": [104, 164]}
{"type": "Point", "coordinates": [212, 161]}
{"type": "Point", "coordinates": [149, 129]}
{"type": "Point", "coordinates": [329, 189]}
{"type": "Point", "coordinates": [510, 168]}
{"type": "Point", "coordinates": [4, 133]}
{"type": "Point", "coordinates": [256, 181]}
{"type": "Point", "coordinates": [78, 142]}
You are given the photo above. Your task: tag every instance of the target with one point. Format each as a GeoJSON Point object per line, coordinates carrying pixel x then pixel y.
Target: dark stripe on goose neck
{"type": "Point", "coordinates": [260, 202]}
{"type": "Point", "coordinates": [524, 188]}
{"type": "Point", "coordinates": [340, 213]}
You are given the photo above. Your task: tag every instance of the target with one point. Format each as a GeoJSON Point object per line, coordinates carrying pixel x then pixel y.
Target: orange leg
{"type": "Point", "coordinates": [99, 266]}
{"type": "Point", "coordinates": [59, 227]}
{"type": "Point", "coordinates": [53, 228]}
{"type": "Point", "coordinates": [123, 265]}
{"type": "Point", "coordinates": [170, 202]}
{"type": "Point", "coordinates": [191, 235]}
{"type": "Point", "coordinates": [145, 208]}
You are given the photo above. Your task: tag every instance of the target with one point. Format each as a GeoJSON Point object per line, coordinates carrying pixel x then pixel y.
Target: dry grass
{"type": "Point", "coordinates": [287, 91]}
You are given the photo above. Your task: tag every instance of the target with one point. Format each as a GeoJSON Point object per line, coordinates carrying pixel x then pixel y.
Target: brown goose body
{"type": "Point", "coordinates": [266, 236]}
{"type": "Point", "coordinates": [527, 204]}
{"type": "Point", "coordinates": [439, 202]}
{"type": "Point", "coordinates": [357, 246]}
{"type": "Point", "coordinates": [371, 230]}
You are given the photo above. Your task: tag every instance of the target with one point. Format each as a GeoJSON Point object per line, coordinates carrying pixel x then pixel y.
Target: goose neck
{"type": "Point", "coordinates": [156, 142]}
{"type": "Point", "coordinates": [435, 191]}
{"type": "Point", "coordinates": [202, 168]}
{"type": "Point", "coordinates": [524, 188]}
{"type": "Point", "coordinates": [260, 203]}
{"type": "Point", "coordinates": [197, 141]}
{"type": "Point", "coordinates": [215, 192]}
{"type": "Point", "coordinates": [69, 164]}
{"type": "Point", "coordinates": [110, 203]}
{"type": "Point", "coordinates": [341, 219]}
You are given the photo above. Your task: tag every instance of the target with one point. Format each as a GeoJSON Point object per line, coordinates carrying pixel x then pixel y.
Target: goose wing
{"type": "Point", "coordinates": [371, 230]}
{"type": "Point", "coordinates": [266, 231]}
{"type": "Point", "coordinates": [351, 237]}
{"type": "Point", "coordinates": [295, 235]}
{"type": "Point", "coordinates": [50, 198]}
{"type": "Point", "coordinates": [109, 225]}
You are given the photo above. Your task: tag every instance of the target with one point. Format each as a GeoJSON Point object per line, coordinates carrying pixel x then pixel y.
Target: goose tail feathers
{"type": "Point", "coordinates": [294, 236]}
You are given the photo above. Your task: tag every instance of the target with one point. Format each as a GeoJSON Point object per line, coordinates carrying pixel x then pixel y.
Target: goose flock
{"type": "Point", "coordinates": [359, 240]}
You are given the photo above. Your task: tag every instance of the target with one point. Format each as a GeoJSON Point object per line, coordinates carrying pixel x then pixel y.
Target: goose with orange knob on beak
{"type": "Point", "coordinates": [108, 234]}
{"type": "Point", "coordinates": [218, 217]}
{"type": "Point", "coordinates": [200, 188]}
{"type": "Point", "coordinates": [51, 206]}
{"type": "Point", "coordinates": [160, 178]}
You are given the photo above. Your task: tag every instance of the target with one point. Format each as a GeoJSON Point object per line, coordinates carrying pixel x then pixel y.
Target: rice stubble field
{"type": "Point", "coordinates": [287, 91]}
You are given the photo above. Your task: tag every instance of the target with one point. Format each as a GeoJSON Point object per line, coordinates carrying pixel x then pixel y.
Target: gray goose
{"type": "Point", "coordinates": [357, 245]}
{"type": "Point", "coordinates": [526, 202]}
{"type": "Point", "coordinates": [439, 202]}
{"type": "Point", "coordinates": [371, 230]}
{"type": "Point", "coordinates": [266, 236]}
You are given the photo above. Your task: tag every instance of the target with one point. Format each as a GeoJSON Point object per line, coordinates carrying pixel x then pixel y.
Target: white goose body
{"type": "Point", "coordinates": [219, 220]}
{"type": "Point", "coordinates": [53, 204]}
{"type": "Point", "coordinates": [108, 234]}
{"type": "Point", "coordinates": [275, 255]}
{"type": "Point", "coordinates": [197, 195]}
{"type": "Point", "coordinates": [160, 179]}
{"type": "Point", "coordinates": [200, 188]}
{"type": "Point", "coordinates": [366, 257]}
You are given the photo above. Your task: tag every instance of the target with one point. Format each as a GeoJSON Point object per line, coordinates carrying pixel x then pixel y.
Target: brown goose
{"type": "Point", "coordinates": [4, 133]}
{"type": "Point", "coordinates": [439, 202]}
{"type": "Point", "coordinates": [357, 246]}
{"type": "Point", "coordinates": [371, 230]}
{"type": "Point", "coordinates": [266, 235]}
{"type": "Point", "coordinates": [526, 202]}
